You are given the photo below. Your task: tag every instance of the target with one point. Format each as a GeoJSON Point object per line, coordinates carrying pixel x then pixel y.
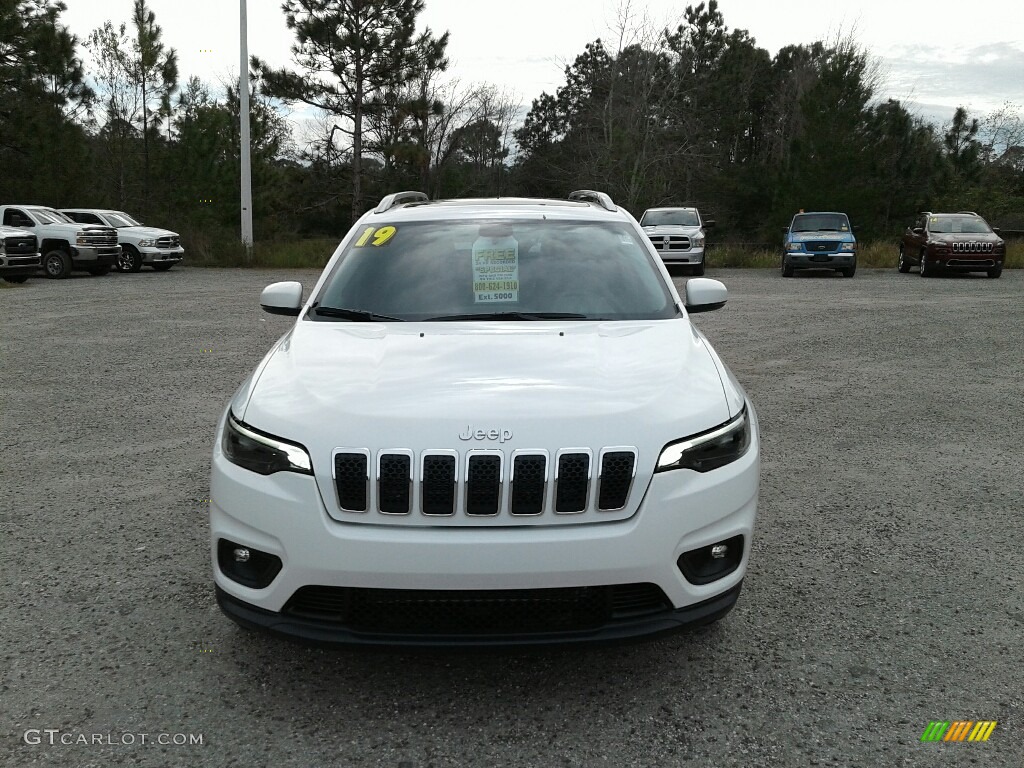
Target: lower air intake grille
{"type": "Point", "coordinates": [476, 612]}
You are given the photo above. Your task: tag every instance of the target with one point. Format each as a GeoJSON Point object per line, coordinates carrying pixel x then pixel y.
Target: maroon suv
{"type": "Point", "coordinates": [961, 242]}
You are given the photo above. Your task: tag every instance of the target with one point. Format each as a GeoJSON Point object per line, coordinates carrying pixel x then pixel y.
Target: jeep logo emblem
{"type": "Point", "coordinates": [501, 435]}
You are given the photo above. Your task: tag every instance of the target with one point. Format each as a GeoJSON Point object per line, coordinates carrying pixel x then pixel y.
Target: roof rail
{"type": "Point", "coordinates": [590, 196]}
{"type": "Point", "coordinates": [398, 198]}
{"type": "Point", "coordinates": [972, 213]}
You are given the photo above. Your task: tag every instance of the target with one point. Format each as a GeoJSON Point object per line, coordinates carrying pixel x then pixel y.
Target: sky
{"type": "Point", "coordinates": [933, 55]}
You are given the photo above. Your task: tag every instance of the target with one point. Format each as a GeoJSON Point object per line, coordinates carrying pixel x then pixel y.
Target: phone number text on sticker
{"type": "Point", "coordinates": [495, 269]}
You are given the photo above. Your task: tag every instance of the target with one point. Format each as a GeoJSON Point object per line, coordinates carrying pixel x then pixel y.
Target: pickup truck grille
{"type": "Point", "coordinates": [97, 237]}
{"type": "Point", "coordinates": [20, 246]}
{"type": "Point", "coordinates": [821, 246]}
{"type": "Point", "coordinates": [670, 242]}
{"type": "Point", "coordinates": [168, 241]}
{"type": "Point", "coordinates": [483, 483]}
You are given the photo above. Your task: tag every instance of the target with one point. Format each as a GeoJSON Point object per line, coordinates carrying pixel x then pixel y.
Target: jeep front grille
{"type": "Point", "coordinates": [483, 483]}
{"type": "Point", "coordinates": [972, 247]}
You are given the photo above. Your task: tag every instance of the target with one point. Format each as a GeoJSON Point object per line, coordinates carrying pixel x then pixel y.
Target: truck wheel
{"type": "Point", "coordinates": [130, 259]}
{"type": "Point", "coordinates": [787, 268]}
{"type": "Point", "coordinates": [927, 270]}
{"type": "Point", "coordinates": [903, 265]}
{"type": "Point", "coordinates": [17, 279]}
{"type": "Point", "coordinates": [162, 267]}
{"type": "Point", "coordinates": [994, 272]}
{"type": "Point", "coordinates": [57, 264]}
{"type": "Point", "coordinates": [850, 271]}
{"type": "Point", "coordinates": [100, 271]}
{"type": "Point", "coordinates": [699, 269]}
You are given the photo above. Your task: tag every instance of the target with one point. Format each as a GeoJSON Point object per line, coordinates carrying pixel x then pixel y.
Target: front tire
{"type": "Point", "coordinates": [927, 269]}
{"type": "Point", "coordinates": [130, 259]}
{"type": "Point", "coordinates": [57, 264]}
{"type": "Point", "coordinates": [994, 272]}
{"type": "Point", "coordinates": [787, 268]}
{"type": "Point", "coordinates": [849, 271]}
{"type": "Point", "coordinates": [699, 269]}
{"type": "Point", "coordinates": [903, 265]}
{"type": "Point", "coordinates": [162, 267]}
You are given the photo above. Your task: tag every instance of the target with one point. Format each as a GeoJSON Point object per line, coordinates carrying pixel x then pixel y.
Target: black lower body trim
{"type": "Point", "coordinates": [327, 633]}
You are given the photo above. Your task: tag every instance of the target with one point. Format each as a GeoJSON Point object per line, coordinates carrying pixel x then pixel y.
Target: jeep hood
{"type": "Point", "coordinates": [552, 385]}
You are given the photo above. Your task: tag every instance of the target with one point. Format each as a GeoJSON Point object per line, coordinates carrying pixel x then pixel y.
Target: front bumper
{"type": "Point", "coordinates": [283, 515]}
{"type": "Point", "coordinates": [19, 266]}
{"type": "Point", "coordinates": [965, 263]}
{"type": "Point", "coordinates": [692, 256]}
{"type": "Point", "coordinates": [162, 255]}
{"type": "Point", "coordinates": [804, 260]}
{"type": "Point", "coordinates": [100, 257]}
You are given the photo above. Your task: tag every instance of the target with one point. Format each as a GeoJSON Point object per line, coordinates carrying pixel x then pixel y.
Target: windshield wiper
{"type": "Point", "coordinates": [513, 316]}
{"type": "Point", "coordinates": [357, 315]}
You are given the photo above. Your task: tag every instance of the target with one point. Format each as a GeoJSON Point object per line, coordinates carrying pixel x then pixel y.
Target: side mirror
{"type": "Point", "coordinates": [282, 298]}
{"type": "Point", "coordinates": [709, 223]}
{"type": "Point", "coordinates": [918, 230]}
{"type": "Point", "coordinates": [785, 230]}
{"type": "Point", "coordinates": [996, 230]}
{"type": "Point", "coordinates": [704, 295]}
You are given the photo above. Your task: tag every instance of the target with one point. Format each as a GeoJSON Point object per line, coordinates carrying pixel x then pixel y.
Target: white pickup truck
{"type": "Point", "coordinates": [19, 255]}
{"type": "Point", "coordinates": [65, 245]}
{"type": "Point", "coordinates": [158, 248]}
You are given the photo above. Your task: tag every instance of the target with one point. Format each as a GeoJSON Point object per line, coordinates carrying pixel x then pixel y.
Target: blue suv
{"type": "Point", "coordinates": [819, 240]}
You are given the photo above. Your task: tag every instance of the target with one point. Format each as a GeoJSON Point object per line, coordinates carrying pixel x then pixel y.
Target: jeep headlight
{"type": "Point", "coordinates": [848, 247]}
{"type": "Point", "coordinates": [261, 453]}
{"type": "Point", "coordinates": [147, 243]}
{"type": "Point", "coordinates": [708, 450]}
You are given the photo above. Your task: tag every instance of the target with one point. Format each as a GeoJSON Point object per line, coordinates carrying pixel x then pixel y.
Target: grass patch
{"type": "Point", "coordinates": [879, 254]}
{"type": "Point", "coordinates": [205, 250]}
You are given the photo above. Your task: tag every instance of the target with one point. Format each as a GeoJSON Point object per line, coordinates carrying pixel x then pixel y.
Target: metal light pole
{"type": "Point", "coordinates": [243, 111]}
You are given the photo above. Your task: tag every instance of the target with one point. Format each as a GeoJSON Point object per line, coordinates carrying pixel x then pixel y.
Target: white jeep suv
{"type": "Point", "coordinates": [492, 423]}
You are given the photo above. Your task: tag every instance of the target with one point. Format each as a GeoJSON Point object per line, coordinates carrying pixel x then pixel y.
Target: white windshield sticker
{"type": "Point", "coordinates": [495, 269]}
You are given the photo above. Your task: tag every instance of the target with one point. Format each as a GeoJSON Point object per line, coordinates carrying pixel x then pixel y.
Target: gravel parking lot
{"type": "Point", "coordinates": [884, 591]}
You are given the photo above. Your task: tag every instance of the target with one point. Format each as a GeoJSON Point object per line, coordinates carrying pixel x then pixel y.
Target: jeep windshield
{"type": "Point", "coordinates": [670, 219]}
{"type": "Point", "coordinates": [523, 269]}
{"type": "Point", "coordinates": [956, 225]}
{"type": "Point", "coordinates": [820, 222]}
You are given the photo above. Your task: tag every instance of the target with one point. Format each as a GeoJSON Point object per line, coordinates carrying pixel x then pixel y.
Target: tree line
{"type": "Point", "coordinates": [696, 115]}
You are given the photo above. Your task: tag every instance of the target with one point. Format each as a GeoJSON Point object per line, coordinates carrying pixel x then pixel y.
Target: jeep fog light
{"type": "Point", "coordinates": [707, 564]}
{"type": "Point", "coordinates": [246, 565]}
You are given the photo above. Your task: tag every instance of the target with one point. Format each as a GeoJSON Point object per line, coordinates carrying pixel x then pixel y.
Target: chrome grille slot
{"type": "Point", "coordinates": [615, 479]}
{"type": "Point", "coordinates": [572, 482]}
{"type": "Point", "coordinates": [670, 242]}
{"type": "Point", "coordinates": [438, 484]}
{"type": "Point", "coordinates": [394, 483]}
{"type": "Point", "coordinates": [529, 482]}
{"type": "Point", "coordinates": [352, 480]}
{"type": "Point", "coordinates": [483, 483]}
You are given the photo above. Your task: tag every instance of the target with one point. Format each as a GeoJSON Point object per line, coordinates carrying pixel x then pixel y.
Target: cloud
{"type": "Point", "coordinates": [980, 77]}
